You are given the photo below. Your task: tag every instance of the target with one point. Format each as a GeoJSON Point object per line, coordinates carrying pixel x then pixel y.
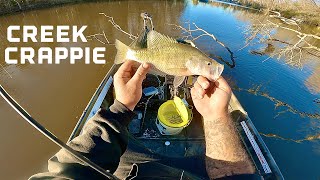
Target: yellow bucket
{"type": "Point", "coordinates": [173, 116]}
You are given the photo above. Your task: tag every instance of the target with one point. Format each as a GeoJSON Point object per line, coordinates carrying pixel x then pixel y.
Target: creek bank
{"type": "Point", "coordinates": [303, 12]}
{"type": "Point", "coordinates": [16, 6]}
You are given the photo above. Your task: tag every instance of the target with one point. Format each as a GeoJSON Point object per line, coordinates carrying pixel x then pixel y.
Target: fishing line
{"type": "Point", "coordinates": [23, 113]}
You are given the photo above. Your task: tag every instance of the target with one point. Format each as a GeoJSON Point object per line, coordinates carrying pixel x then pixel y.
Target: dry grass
{"type": "Point", "coordinates": [11, 6]}
{"type": "Point", "coordinates": [306, 10]}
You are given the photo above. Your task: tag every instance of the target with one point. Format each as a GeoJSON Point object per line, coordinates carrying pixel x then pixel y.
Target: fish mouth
{"type": "Point", "coordinates": [218, 72]}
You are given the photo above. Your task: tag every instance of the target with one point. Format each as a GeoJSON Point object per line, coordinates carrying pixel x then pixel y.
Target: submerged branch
{"type": "Point", "coordinates": [277, 103]}
{"type": "Point", "coordinates": [293, 30]}
{"type": "Point", "coordinates": [294, 51]}
{"type": "Point", "coordinates": [307, 138]}
{"type": "Point", "coordinates": [5, 71]}
{"type": "Point", "coordinates": [306, 48]}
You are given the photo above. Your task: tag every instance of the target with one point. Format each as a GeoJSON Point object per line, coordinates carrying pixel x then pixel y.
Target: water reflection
{"type": "Point", "coordinates": [282, 38]}
{"type": "Point", "coordinates": [313, 81]}
{"type": "Point", "coordinates": [274, 93]}
{"type": "Point", "coordinates": [308, 138]}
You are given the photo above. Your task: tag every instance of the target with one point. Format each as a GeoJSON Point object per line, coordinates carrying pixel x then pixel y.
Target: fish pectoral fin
{"type": "Point", "coordinates": [178, 80]}
{"type": "Point", "coordinates": [156, 39]}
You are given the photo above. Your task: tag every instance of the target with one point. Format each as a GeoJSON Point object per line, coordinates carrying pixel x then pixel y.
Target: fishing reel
{"type": "Point", "coordinates": [147, 18]}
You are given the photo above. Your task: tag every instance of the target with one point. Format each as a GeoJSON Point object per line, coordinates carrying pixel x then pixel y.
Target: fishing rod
{"type": "Point", "coordinates": [23, 113]}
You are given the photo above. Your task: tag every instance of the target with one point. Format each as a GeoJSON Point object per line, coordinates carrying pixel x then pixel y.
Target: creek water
{"type": "Point", "coordinates": [278, 97]}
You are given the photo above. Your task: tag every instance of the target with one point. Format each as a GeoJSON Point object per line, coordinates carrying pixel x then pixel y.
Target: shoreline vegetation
{"type": "Point", "coordinates": [8, 7]}
{"type": "Point", "coordinates": [302, 11]}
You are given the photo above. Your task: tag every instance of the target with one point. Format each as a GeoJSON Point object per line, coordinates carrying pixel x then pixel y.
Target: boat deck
{"type": "Point", "coordinates": [190, 142]}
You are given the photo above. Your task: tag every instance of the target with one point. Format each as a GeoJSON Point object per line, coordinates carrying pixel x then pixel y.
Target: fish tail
{"type": "Point", "coordinates": [123, 52]}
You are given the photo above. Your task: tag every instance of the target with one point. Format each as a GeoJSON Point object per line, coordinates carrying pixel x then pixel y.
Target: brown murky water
{"type": "Point", "coordinates": [56, 95]}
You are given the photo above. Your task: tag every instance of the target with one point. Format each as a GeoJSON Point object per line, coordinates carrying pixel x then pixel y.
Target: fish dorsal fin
{"type": "Point", "coordinates": [156, 39]}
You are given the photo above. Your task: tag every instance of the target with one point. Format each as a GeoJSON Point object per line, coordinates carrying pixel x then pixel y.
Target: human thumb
{"type": "Point", "coordinates": [141, 73]}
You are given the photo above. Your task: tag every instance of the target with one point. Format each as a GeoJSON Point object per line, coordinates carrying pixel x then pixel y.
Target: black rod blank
{"type": "Point", "coordinates": [23, 113]}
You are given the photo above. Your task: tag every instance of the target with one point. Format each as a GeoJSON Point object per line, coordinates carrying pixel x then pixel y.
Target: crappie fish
{"type": "Point", "coordinates": [167, 56]}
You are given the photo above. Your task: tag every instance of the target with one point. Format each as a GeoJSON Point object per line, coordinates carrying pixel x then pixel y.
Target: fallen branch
{"type": "Point", "coordinates": [189, 36]}
{"type": "Point", "coordinates": [306, 48]}
{"type": "Point", "coordinates": [284, 19]}
{"type": "Point", "coordinates": [111, 20]}
{"type": "Point", "coordinates": [292, 51]}
{"type": "Point", "coordinates": [5, 71]}
{"type": "Point", "coordinates": [96, 37]}
{"type": "Point", "coordinates": [18, 4]}
{"type": "Point", "coordinates": [293, 30]}
{"type": "Point", "coordinates": [278, 103]}
{"type": "Point", "coordinates": [307, 138]}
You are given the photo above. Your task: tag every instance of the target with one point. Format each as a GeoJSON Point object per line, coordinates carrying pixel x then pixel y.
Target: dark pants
{"type": "Point", "coordinates": [152, 165]}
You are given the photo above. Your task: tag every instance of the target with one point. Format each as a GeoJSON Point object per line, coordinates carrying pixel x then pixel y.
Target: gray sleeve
{"type": "Point", "coordinates": [103, 140]}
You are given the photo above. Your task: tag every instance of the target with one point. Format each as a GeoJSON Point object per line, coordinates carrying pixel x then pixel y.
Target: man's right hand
{"type": "Point", "coordinates": [128, 83]}
{"type": "Point", "coordinates": [211, 99]}
{"type": "Point", "coordinates": [225, 154]}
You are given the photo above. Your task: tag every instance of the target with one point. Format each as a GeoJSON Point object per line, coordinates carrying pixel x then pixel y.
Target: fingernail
{"type": "Point", "coordinates": [145, 65]}
{"type": "Point", "coordinates": [206, 84]}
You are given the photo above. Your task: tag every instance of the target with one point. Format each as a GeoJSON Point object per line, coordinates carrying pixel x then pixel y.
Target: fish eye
{"type": "Point", "coordinates": [209, 63]}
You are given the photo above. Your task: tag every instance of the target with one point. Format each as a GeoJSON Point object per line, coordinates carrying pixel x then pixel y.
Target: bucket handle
{"type": "Point", "coordinates": [191, 116]}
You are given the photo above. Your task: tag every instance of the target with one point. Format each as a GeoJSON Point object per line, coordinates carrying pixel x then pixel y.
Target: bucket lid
{"type": "Point", "coordinates": [174, 113]}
